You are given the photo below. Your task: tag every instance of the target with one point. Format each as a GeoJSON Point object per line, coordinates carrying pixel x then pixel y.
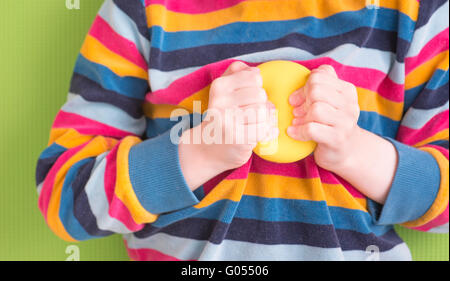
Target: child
{"type": "Point", "coordinates": [376, 103]}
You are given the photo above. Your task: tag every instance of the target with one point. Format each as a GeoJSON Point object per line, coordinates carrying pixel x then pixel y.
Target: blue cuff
{"type": "Point", "coordinates": [413, 190]}
{"type": "Point", "coordinates": [156, 176]}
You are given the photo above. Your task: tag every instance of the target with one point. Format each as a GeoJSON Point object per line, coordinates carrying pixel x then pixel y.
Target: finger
{"type": "Point", "coordinates": [298, 97]}
{"type": "Point", "coordinates": [317, 132]}
{"type": "Point", "coordinates": [247, 96]}
{"type": "Point", "coordinates": [345, 88]}
{"type": "Point", "coordinates": [319, 112]}
{"type": "Point", "coordinates": [251, 133]}
{"type": "Point", "coordinates": [235, 67]}
{"type": "Point", "coordinates": [249, 77]}
{"type": "Point", "coordinates": [326, 69]}
{"type": "Point", "coordinates": [255, 113]}
{"type": "Point", "coordinates": [326, 94]}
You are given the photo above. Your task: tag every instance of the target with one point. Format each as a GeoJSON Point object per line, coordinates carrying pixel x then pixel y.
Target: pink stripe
{"type": "Point", "coordinates": [413, 136]}
{"type": "Point", "coordinates": [117, 209]}
{"type": "Point", "coordinates": [86, 126]}
{"type": "Point", "coordinates": [49, 182]}
{"type": "Point", "coordinates": [442, 150]}
{"type": "Point", "coordinates": [145, 254]}
{"type": "Point", "coordinates": [185, 86]}
{"type": "Point", "coordinates": [443, 217]}
{"type": "Point", "coordinates": [436, 45]}
{"type": "Point", "coordinates": [116, 43]}
{"type": "Point", "coordinates": [366, 78]}
{"type": "Point", "coordinates": [438, 221]}
{"type": "Point", "coordinates": [306, 168]}
{"type": "Point", "coordinates": [194, 6]}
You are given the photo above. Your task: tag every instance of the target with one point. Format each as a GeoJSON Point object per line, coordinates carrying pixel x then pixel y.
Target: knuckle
{"type": "Point", "coordinates": [328, 67]}
{"type": "Point", "coordinates": [262, 95]}
{"type": "Point", "coordinates": [356, 112]}
{"type": "Point", "coordinates": [218, 84]}
{"type": "Point", "coordinates": [316, 110]}
{"type": "Point", "coordinates": [309, 129]}
{"type": "Point", "coordinates": [351, 89]}
{"type": "Point", "coordinates": [256, 78]}
{"type": "Point", "coordinates": [314, 88]}
{"type": "Point", "coordinates": [315, 93]}
{"type": "Point", "coordinates": [315, 78]}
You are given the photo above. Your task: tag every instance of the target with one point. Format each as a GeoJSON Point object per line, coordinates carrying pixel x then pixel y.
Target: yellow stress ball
{"type": "Point", "coordinates": [280, 80]}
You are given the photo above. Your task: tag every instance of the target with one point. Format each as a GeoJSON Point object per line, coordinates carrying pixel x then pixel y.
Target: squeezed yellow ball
{"type": "Point", "coordinates": [280, 80]}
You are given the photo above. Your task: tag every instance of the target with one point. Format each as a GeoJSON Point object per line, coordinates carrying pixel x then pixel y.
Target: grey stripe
{"type": "Point", "coordinates": [347, 54]}
{"type": "Point", "coordinates": [104, 113]}
{"type": "Point", "coordinates": [188, 249]}
{"type": "Point", "coordinates": [95, 190]}
{"type": "Point", "coordinates": [442, 229]}
{"type": "Point", "coordinates": [417, 118]}
{"type": "Point", "coordinates": [437, 23]}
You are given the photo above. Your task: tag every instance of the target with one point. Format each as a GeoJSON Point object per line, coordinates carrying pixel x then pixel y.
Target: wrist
{"type": "Point", "coordinates": [197, 163]}
{"type": "Point", "coordinates": [350, 160]}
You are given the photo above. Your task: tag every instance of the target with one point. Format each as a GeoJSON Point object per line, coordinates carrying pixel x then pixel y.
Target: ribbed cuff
{"type": "Point", "coordinates": [156, 176]}
{"type": "Point", "coordinates": [413, 190]}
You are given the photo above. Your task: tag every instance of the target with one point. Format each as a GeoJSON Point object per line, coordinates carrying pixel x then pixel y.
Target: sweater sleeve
{"type": "Point", "coordinates": [419, 194]}
{"type": "Point", "coordinates": [98, 176]}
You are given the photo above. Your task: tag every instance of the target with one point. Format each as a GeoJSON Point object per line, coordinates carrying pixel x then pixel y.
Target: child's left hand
{"type": "Point", "coordinates": [326, 111]}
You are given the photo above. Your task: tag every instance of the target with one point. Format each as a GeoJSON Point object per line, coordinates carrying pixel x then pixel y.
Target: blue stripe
{"type": "Point", "coordinates": [66, 214]}
{"type": "Point", "coordinates": [439, 79]}
{"type": "Point", "coordinates": [442, 143]}
{"type": "Point", "coordinates": [378, 124]}
{"type": "Point", "coordinates": [53, 150]}
{"type": "Point", "coordinates": [371, 121]}
{"type": "Point", "coordinates": [410, 96]}
{"type": "Point", "coordinates": [278, 209]}
{"type": "Point", "coordinates": [128, 86]}
{"type": "Point", "coordinates": [386, 19]}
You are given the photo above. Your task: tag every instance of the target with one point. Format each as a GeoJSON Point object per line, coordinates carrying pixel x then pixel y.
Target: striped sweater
{"type": "Point", "coordinates": [110, 166]}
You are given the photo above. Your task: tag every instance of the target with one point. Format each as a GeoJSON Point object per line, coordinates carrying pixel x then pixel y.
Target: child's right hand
{"type": "Point", "coordinates": [239, 90]}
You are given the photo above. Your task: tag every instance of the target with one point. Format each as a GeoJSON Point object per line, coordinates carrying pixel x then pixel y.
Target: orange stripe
{"type": "Point", "coordinates": [441, 201]}
{"type": "Point", "coordinates": [97, 146]}
{"type": "Point", "coordinates": [124, 190]}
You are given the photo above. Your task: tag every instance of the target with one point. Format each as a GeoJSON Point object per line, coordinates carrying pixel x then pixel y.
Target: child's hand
{"type": "Point", "coordinates": [239, 90]}
{"type": "Point", "coordinates": [326, 111]}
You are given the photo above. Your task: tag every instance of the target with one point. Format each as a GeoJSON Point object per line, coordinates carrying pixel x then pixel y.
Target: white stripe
{"type": "Point", "coordinates": [417, 118]}
{"type": "Point", "coordinates": [437, 23]}
{"type": "Point", "coordinates": [347, 54]}
{"type": "Point", "coordinates": [39, 188]}
{"type": "Point", "coordinates": [188, 249]}
{"type": "Point", "coordinates": [104, 113]}
{"type": "Point", "coordinates": [124, 26]}
{"type": "Point", "coordinates": [442, 229]}
{"type": "Point", "coordinates": [95, 190]}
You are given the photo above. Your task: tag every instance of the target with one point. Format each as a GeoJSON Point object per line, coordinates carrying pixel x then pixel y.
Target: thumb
{"type": "Point", "coordinates": [235, 67]}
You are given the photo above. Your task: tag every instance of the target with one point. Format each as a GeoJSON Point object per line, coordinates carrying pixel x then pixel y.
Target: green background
{"type": "Point", "coordinates": [40, 40]}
